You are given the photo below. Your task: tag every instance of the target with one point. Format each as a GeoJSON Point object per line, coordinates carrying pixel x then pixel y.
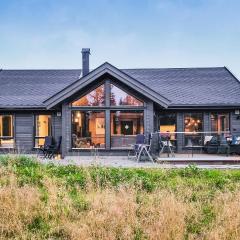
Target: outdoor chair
{"type": "Point", "coordinates": [235, 145]}
{"type": "Point", "coordinates": [140, 139]}
{"type": "Point", "coordinates": [223, 147]}
{"type": "Point", "coordinates": [54, 149]}
{"type": "Point", "coordinates": [166, 145]}
{"type": "Point", "coordinates": [144, 151]}
{"type": "Point", "coordinates": [211, 146]}
{"type": "Point", "coordinates": [140, 149]}
{"type": "Point", "coordinates": [217, 145]}
{"type": "Point", "coordinates": [207, 139]}
{"type": "Point", "coordinates": [48, 143]}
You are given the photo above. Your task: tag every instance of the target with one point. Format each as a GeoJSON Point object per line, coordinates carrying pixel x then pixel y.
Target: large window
{"type": "Point", "coordinates": [121, 98]}
{"type": "Point", "coordinates": [88, 118]}
{"type": "Point", "coordinates": [193, 125]}
{"type": "Point", "coordinates": [94, 98]}
{"type": "Point", "coordinates": [220, 122]}
{"type": "Point", "coordinates": [6, 131]}
{"type": "Point", "coordinates": [43, 128]}
{"type": "Point", "coordinates": [125, 125]}
{"type": "Point", "coordinates": [88, 129]}
{"type": "Point", "coordinates": [167, 123]}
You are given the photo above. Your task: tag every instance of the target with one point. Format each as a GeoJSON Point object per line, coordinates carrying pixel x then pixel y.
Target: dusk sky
{"type": "Point", "coordinates": [128, 34]}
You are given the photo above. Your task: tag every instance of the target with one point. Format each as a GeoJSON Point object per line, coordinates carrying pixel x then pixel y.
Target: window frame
{"type": "Point", "coordinates": [127, 92]}
{"type": "Point", "coordinates": [229, 121]}
{"type": "Point", "coordinates": [107, 108]}
{"type": "Point", "coordinates": [166, 113]}
{"type": "Point", "coordinates": [86, 110]}
{"type": "Point", "coordinates": [35, 128]}
{"type": "Point", "coordinates": [86, 93]}
{"type": "Point", "coordinates": [192, 134]}
{"type": "Point", "coordinates": [13, 131]}
{"type": "Point", "coordinates": [127, 111]}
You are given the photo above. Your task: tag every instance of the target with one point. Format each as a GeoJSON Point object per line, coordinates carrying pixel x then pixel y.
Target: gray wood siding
{"type": "Point", "coordinates": [56, 126]}
{"type": "Point", "coordinates": [180, 128]}
{"type": "Point", "coordinates": [66, 129]}
{"type": "Point", "coordinates": [235, 123]}
{"type": "Point", "coordinates": [148, 118]}
{"type": "Point", "coordinates": [24, 127]}
{"type": "Point", "coordinates": [24, 132]}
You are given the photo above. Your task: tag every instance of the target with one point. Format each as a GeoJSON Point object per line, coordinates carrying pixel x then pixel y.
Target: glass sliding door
{"type": "Point", "coordinates": [43, 128]}
{"type": "Point", "coordinates": [125, 125]}
{"type": "Point", "coordinates": [88, 129]}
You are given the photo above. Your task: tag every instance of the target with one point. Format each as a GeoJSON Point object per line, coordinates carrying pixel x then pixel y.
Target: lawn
{"type": "Point", "coordinates": [69, 202]}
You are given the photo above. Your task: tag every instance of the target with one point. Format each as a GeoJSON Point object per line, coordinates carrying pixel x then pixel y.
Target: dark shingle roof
{"type": "Point", "coordinates": [182, 86]}
{"type": "Point", "coordinates": [29, 88]}
{"type": "Point", "coordinates": [191, 86]}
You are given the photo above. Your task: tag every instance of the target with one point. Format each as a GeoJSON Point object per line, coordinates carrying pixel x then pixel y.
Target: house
{"type": "Point", "coordinates": [107, 107]}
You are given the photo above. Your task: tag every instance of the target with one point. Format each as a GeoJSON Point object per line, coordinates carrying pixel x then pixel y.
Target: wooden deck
{"type": "Point", "coordinates": [200, 158]}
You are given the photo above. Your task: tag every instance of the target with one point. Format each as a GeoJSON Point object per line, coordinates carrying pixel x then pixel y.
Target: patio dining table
{"type": "Point", "coordinates": [194, 148]}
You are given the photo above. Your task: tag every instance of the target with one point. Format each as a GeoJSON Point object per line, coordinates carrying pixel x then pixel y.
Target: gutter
{"type": "Point", "coordinates": [203, 107]}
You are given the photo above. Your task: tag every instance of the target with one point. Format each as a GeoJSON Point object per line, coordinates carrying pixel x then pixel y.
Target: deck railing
{"type": "Point", "coordinates": [183, 141]}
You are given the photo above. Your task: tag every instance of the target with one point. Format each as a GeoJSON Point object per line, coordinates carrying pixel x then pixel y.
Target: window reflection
{"type": "Point", "coordinates": [88, 129]}
{"type": "Point", "coordinates": [94, 98]}
{"type": "Point", "coordinates": [121, 98]}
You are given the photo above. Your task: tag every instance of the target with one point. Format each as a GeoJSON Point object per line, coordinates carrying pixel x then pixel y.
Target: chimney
{"type": "Point", "coordinates": [85, 61]}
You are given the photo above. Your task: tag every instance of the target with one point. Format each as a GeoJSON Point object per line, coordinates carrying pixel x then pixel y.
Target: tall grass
{"type": "Point", "coordinates": [55, 202]}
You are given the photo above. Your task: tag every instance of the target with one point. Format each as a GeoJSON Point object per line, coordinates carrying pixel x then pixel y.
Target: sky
{"type": "Point", "coordinates": [37, 34]}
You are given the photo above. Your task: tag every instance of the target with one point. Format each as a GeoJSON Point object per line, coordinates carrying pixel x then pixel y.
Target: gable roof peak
{"type": "Point", "coordinates": [115, 73]}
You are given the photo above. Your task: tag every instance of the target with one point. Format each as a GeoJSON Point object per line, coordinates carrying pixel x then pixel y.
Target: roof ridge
{"type": "Point", "coordinates": [79, 69]}
{"type": "Point", "coordinates": [178, 68]}
{"type": "Point", "coordinates": [41, 69]}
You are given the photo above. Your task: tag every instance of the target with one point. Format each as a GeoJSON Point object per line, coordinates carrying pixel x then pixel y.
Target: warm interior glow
{"type": "Point", "coordinates": [193, 125]}
{"type": "Point", "coordinates": [167, 123]}
{"type": "Point", "coordinates": [220, 122]}
{"type": "Point", "coordinates": [193, 122]}
{"type": "Point", "coordinates": [89, 129]}
{"type": "Point", "coordinates": [124, 128]}
{"type": "Point", "coordinates": [43, 129]}
{"type": "Point", "coordinates": [6, 131]}
{"type": "Point", "coordinates": [167, 128]}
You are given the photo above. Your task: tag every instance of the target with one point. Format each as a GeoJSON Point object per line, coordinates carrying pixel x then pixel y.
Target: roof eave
{"type": "Point", "coordinates": [203, 106]}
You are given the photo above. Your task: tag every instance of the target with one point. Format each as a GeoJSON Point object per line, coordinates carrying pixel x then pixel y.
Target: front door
{"type": "Point", "coordinates": [127, 127]}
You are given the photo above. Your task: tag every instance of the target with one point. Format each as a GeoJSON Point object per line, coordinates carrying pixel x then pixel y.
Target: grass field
{"type": "Point", "coordinates": [68, 202]}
